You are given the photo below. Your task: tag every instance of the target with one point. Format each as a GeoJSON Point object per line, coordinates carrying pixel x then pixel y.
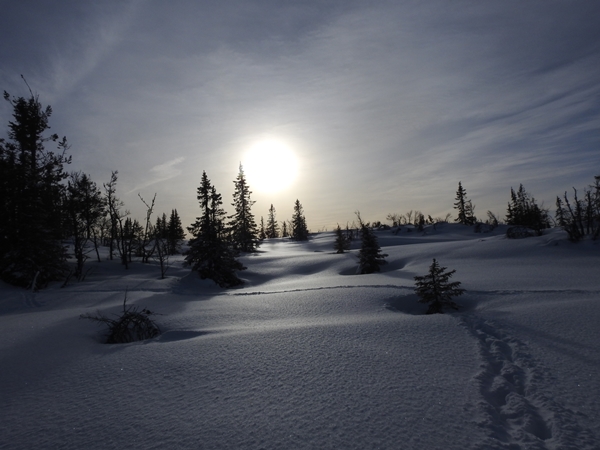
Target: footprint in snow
{"type": "Point", "coordinates": [515, 411]}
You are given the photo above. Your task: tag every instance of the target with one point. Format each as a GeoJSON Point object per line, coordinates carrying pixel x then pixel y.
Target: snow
{"type": "Point", "coordinates": [309, 355]}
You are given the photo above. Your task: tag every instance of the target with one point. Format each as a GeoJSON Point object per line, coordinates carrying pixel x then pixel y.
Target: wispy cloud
{"type": "Point", "coordinates": [387, 105]}
{"type": "Point", "coordinates": [161, 172]}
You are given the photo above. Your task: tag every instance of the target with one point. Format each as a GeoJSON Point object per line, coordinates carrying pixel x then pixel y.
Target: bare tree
{"type": "Point", "coordinates": [148, 232]}
{"type": "Point", "coordinates": [117, 225]}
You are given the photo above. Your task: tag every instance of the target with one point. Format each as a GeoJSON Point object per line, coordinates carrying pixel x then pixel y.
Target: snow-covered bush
{"type": "Point", "coordinates": [520, 232]}
{"type": "Point", "coordinates": [132, 325]}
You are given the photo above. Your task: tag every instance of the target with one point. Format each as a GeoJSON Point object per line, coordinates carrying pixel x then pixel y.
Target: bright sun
{"type": "Point", "coordinates": [270, 166]}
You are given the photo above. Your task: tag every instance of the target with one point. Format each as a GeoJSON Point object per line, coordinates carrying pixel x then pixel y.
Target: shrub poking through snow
{"type": "Point", "coordinates": [132, 325]}
{"type": "Point", "coordinates": [436, 289]}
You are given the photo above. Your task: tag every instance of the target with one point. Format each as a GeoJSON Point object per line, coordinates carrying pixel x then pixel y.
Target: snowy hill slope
{"type": "Point", "coordinates": [309, 355]}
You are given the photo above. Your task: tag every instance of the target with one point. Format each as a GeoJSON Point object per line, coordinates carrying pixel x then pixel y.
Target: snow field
{"type": "Point", "coordinates": [309, 355]}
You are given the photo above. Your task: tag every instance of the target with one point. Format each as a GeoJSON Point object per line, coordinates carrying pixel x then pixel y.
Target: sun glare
{"type": "Point", "coordinates": [270, 166]}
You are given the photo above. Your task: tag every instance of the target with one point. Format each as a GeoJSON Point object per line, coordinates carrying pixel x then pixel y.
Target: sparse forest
{"type": "Point", "coordinates": [211, 253]}
{"type": "Point", "coordinates": [50, 215]}
{"type": "Point", "coordinates": [300, 225]}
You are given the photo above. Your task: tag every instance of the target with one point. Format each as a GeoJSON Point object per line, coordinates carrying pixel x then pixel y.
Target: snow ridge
{"type": "Point", "coordinates": [515, 410]}
{"type": "Point", "coordinates": [398, 287]}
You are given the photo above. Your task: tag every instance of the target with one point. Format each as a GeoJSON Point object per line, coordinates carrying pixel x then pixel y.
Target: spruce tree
{"type": "Point", "coordinates": [272, 230]}
{"type": "Point", "coordinates": [174, 233]}
{"type": "Point", "coordinates": [465, 207]}
{"type": "Point", "coordinates": [370, 256]}
{"type": "Point", "coordinates": [160, 228]}
{"type": "Point", "coordinates": [299, 230]}
{"type": "Point", "coordinates": [523, 210]}
{"type": "Point", "coordinates": [242, 226]}
{"type": "Point", "coordinates": [160, 251]}
{"type": "Point", "coordinates": [210, 255]}
{"type": "Point", "coordinates": [436, 289]}
{"type": "Point", "coordinates": [31, 193]}
{"type": "Point", "coordinates": [262, 232]}
{"type": "Point", "coordinates": [284, 229]}
{"type": "Point", "coordinates": [342, 242]}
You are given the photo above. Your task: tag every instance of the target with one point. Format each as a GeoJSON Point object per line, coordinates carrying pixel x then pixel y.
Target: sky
{"type": "Point", "coordinates": [385, 105]}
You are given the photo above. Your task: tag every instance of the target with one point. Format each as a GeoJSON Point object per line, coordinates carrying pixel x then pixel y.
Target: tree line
{"type": "Point", "coordinates": [578, 216]}
{"type": "Point", "coordinates": [217, 239]}
{"type": "Point", "coordinates": [42, 205]}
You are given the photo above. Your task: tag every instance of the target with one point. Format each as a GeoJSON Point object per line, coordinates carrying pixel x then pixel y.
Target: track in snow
{"type": "Point", "coordinates": [515, 411]}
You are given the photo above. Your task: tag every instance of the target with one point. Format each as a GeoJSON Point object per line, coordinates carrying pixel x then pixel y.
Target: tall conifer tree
{"type": "Point", "coordinates": [31, 192]}
{"type": "Point", "coordinates": [242, 226]}
{"type": "Point", "coordinates": [210, 255]}
{"type": "Point", "coordinates": [465, 207]}
{"type": "Point", "coordinates": [175, 233]}
{"type": "Point", "coordinates": [272, 230]}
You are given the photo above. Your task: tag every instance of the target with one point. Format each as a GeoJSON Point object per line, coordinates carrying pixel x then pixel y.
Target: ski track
{"type": "Point", "coordinates": [514, 409]}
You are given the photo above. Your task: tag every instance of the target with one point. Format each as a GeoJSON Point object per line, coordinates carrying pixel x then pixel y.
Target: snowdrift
{"type": "Point", "coordinates": [309, 355]}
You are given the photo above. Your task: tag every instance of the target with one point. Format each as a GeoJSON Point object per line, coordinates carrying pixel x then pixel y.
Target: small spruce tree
{"type": "Point", "coordinates": [370, 256]}
{"type": "Point", "coordinates": [299, 230]}
{"type": "Point", "coordinates": [272, 230]}
{"type": "Point", "coordinates": [262, 233]}
{"type": "Point", "coordinates": [342, 243]}
{"type": "Point", "coordinates": [465, 207]}
{"type": "Point", "coordinates": [436, 289]}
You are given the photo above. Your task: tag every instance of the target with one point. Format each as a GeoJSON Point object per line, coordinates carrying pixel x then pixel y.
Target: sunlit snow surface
{"type": "Point", "coordinates": [308, 355]}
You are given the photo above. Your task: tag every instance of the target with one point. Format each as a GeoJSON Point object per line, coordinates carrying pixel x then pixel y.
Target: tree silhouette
{"type": "Point", "coordinates": [174, 233]}
{"type": "Point", "coordinates": [299, 230]}
{"type": "Point", "coordinates": [242, 226]}
{"type": "Point", "coordinates": [464, 206]}
{"type": "Point", "coordinates": [272, 230]}
{"type": "Point", "coordinates": [83, 209]}
{"type": "Point", "coordinates": [31, 193]}
{"type": "Point", "coordinates": [342, 243]}
{"type": "Point", "coordinates": [582, 217]}
{"type": "Point", "coordinates": [370, 257]}
{"type": "Point", "coordinates": [210, 255]}
{"type": "Point", "coordinates": [523, 210]}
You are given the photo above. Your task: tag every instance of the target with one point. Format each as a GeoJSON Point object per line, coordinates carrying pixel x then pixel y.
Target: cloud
{"type": "Point", "coordinates": [394, 101]}
{"type": "Point", "coordinates": [161, 172]}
